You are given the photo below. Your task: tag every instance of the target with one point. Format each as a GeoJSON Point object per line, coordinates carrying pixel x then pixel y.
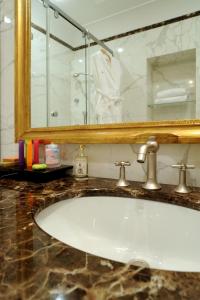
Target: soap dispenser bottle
{"type": "Point", "coordinates": [81, 164]}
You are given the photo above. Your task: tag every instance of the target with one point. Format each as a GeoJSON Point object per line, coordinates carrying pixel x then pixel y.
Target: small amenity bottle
{"type": "Point", "coordinates": [29, 154]}
{"type": "Point", "coordinates": [81, 164]}
{"type": "Point", "coordinates": [36, 151]}
{"type": "Point", "coordinates": [21, 154]}
{"type": "Point", "coordinates": [52, 156]}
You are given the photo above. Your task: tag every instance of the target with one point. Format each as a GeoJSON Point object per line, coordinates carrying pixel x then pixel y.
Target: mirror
{"type": "Point", "coordinates": [152, 75]}
{"type": "Point", "coordinates": [63, 87]}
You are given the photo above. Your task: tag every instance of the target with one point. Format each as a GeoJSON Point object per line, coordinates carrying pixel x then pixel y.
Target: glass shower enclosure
{"type": "Point", "coordinates": [61, 81]}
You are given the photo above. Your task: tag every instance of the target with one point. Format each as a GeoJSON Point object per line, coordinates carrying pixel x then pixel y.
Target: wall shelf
{"type": "Point", "coordinates": [157, 105]}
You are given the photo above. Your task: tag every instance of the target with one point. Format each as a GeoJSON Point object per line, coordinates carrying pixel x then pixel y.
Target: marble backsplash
{"type": "Point", "coordinates": [101, 157]}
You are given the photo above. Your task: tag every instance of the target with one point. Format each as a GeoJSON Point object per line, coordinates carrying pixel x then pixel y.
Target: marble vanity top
{"type": "Point", "coordinates": [37, 266]}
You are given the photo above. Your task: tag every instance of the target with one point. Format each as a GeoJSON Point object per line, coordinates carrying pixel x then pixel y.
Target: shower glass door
{"type": "Point", "coordinates": [59, 71]}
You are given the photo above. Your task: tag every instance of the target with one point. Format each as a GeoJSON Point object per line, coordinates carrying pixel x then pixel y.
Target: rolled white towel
{"type": "Point", "coordinates": [171, 99]}
{"type": "Point", "coordinates": [171, 93]}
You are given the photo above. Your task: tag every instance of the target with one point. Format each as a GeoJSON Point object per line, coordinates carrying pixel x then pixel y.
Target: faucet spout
{"type": "Point", "coordinates": [148, 151]}
{"type": "Point", "coordinates": [141, 157]}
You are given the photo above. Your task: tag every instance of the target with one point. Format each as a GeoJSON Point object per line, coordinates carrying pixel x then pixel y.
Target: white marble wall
{"type": "Point", "coordinates": [137, 53]}
{"type": "Point", "coordinates": [101, 157]}
{"type": "Point", "coordinates": [152, 61]}
{"type": "Point", "coordinates": [7, 78]}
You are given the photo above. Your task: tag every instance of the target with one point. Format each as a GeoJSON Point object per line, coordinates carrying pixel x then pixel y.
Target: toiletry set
{"type": "Point", "coordinates": [48, 167]}
{"type": "Point", "coordinates": [51, 158]}
{"type": "Point", "coordinates": [31, 165]}
{"type": "Point", "coordinates": [29, 155]}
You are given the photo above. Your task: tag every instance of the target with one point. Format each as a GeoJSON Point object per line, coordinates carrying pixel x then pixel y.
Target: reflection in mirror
{"type": "Point", "coordinates": [53, 63]}
{"type": "Point", "coordinates": [152, 75]}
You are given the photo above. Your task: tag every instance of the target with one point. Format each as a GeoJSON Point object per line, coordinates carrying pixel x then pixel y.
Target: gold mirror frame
{"type": "Point", "coordinates": [184, 131]}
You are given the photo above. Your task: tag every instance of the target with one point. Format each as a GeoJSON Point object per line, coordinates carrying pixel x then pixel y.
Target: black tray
{"type": "Point", "coordinates": [38, 175]}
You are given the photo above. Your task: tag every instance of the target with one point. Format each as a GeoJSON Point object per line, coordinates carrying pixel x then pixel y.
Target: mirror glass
{"type": "Point", "coordinates": [144, 70]}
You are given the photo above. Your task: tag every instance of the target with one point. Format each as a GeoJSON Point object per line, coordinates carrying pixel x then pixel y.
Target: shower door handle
{"type": "Point", "coordinates": [54, 114]}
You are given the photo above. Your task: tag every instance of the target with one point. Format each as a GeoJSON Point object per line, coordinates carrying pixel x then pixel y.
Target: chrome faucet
{"type": "Point", "coordinates": [149, 151]}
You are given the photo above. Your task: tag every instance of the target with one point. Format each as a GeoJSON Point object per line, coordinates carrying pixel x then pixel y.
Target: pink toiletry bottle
{"type": "Point", "coordinates": [52, 155]}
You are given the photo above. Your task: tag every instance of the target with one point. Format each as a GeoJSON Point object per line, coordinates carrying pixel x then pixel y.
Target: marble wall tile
{"type": "Point", "coordinates": [7, 77]}
{"type": "Point", "coordinates": [101, 159]}
{"type": "Point", "coordinates": [139, 50]}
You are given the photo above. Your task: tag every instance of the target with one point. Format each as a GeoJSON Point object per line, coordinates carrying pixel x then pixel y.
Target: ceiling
{"type": "Point", "coordinates": [105, 18]}
{"type": "Point", "coordinates": [96, 10]}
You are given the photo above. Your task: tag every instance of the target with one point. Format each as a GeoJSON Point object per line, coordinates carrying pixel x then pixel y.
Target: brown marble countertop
{"type": "Point", "coordinates": [34, 265]}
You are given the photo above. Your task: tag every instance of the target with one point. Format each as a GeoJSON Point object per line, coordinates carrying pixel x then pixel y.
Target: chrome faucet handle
{"type": "Point", "coordinates": [183, 166]}
{"type": "Point", "coordinates": [122, 179]}
{"type": "Point", "coordinates": [182, 187]}
{"type": "Point", "coordinates": [122, 163]}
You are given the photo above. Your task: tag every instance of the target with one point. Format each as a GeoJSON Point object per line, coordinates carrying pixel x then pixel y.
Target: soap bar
{"type": "Point", "coordinates": [39, 167]}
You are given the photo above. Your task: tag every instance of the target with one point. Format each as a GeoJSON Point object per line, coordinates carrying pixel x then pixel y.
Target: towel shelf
{"type": "Point", "coordinates": [156, 105]}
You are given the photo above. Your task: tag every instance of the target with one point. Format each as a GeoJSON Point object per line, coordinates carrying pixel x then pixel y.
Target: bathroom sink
{"type": "Point", "coordinates": [124, 229]}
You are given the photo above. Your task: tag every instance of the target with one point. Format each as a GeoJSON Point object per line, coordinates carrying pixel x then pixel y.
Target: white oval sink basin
{"type": "Point", "coordinates": [124, 229]}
